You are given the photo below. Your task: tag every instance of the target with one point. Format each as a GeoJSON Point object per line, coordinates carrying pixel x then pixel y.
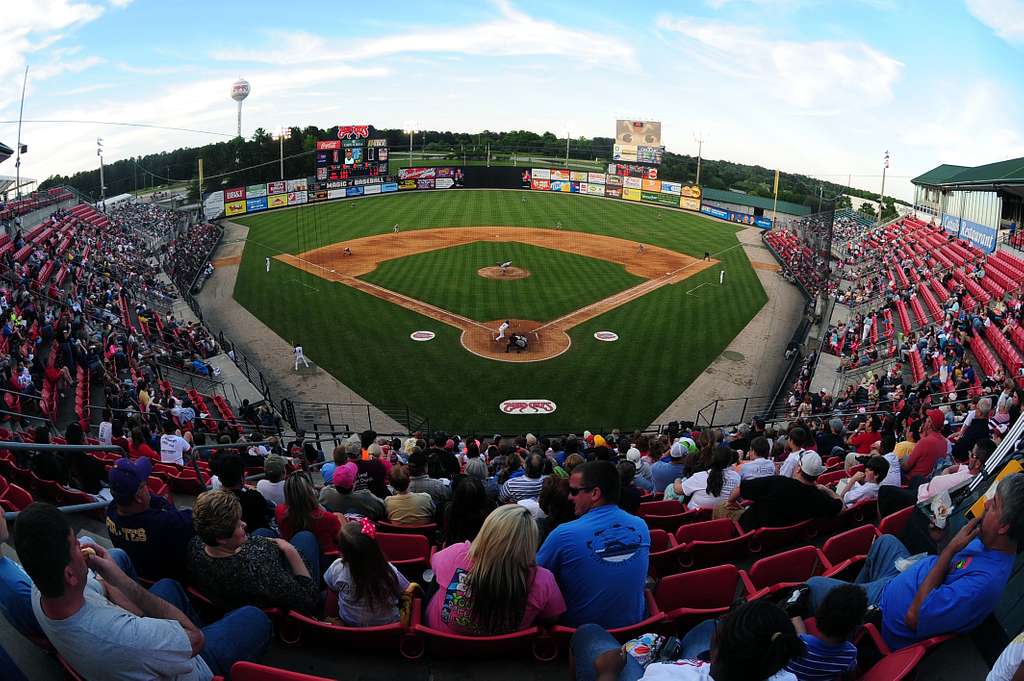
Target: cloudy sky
{"type": "Point", "coordinates": [814, 86]}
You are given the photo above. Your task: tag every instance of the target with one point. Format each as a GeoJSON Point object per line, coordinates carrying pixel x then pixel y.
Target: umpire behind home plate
{"type": "Point", "coordinates": [516, 341]}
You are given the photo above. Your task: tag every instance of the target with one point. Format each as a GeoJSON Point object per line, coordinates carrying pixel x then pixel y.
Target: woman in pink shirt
{"type": "Point", "coordinates": [494, 586]}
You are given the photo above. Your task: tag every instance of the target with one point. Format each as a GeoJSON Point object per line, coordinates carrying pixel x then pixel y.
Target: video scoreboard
{"type": "Point", "coordinates": [352, 155]}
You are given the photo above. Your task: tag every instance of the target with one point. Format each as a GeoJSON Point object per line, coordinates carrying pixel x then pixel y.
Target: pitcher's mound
{"type": "Point", "coordinates": [496, 273]}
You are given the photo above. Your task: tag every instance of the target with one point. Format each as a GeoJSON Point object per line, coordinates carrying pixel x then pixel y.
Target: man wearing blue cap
{"type": "Point", "coordinates": [151, 531]}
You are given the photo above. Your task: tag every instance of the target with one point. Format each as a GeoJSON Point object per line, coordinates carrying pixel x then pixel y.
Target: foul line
{"type": "Point", "coordinates": [690, 292]}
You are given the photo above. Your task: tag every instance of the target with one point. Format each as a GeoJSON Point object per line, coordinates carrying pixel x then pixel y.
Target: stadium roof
{"type": "Point", "coordinates": [1001, 172]}
{"type": "Point", "coordinates": [939, 174]}
{"type": "Point", "coordinates": [5, 152]}
{"type": "Point", "coordinates": [741, 199]}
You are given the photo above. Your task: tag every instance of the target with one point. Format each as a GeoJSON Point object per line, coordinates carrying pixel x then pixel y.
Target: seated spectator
{"type": "Point", "coordinates": [256, 512]}
{"type": "Point", "coordinates": [833, 437]}
{"type": "Point", "coordinates": [664, 473]}
{"type": "Point", "coordinates": [710, 488]}
{"type": "Point", "coordinates": [974, 428]}
{"type": "Point", "coordinates": [526, 486]}
{"type": "Point", "coordinates": [629, 497]}
{"type": "Point", "coordinates": [958, 473]}
{"type": "Point", "coordinates": [951, 592]}
{"type": "Point", "coordinates": [779, 501]}
{"type": "Point", "coordinates": [863, 485]}
{"type": "Point", "coordinates": [830, 655]}
{"type": "Point", "coordinates": [115, 629]}
{"type": "Point", "coordinates": [16, 592]}
{"type": "Point", "coordinates": [301, 511]}
{"type": "Point", "coordinates": [272, 486]}
{"type": "Point", "coordinates": [140, 445]}
{"type": "Point", "coordinates": [419, 481]}
{"type": "Point", "coordinates": [752, 643]}
{"type": "Point", "coordinates": [758, 464]}
{"type": "Point", "coordinates": [405, 507]}
{"type": "Point", "coordinates": [172, 445]}
{"type": "Point", "coordinates": [555, 505]}
{"type": "Point", "coordinates": [932, 447]}
{"type": "Point", "coordinates": [153, 533]}
{"type": "Point", "coordinates": [600, 560]}
{"type": "Point", "coordinates": [85, 472]}
{"type": "Point", "coordinates": [464, 515]}
{"type": "Point", "coordinates": [372, 471]}
{"type": "Point", "coordinates": [233, 568]}
{"type": "Point", "coordinates": [797, 443]}
{"type": "Point", "coordinates": [493, 585]}
{"type": "Point", "coordinates": [868, 433]}
{"type": "Point", "coordinates": [911, 436]}
{"type": "Point", "coordinates": [339, 457]}
{"type": "Point", "coordinates": [369, 587]}
{"type": "Point", "coordinates": [341, 497]}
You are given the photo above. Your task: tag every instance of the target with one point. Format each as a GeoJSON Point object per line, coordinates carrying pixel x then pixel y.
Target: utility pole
{"type": "Point", "coordinates": [821, 189]}
{"type": "Point", "coordinates": [881, 197]}
{"type": "Point", "coordinates": [103, 188]}
{"type": "Point", "coordinates": [699, 139]}
{"type": "Point", "coordinates": [17, 159]}
{"type": "Point", "coordinates": [566, 148]}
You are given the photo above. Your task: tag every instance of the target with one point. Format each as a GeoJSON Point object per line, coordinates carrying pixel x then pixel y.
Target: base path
{"type": "Point", "coordinates": [345, 261]}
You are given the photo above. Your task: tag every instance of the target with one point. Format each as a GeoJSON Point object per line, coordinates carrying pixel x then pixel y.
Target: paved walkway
{"type": "Point", "coordinates": [269, 351]}
{"type": "Point", "coordinates": [752, 364]}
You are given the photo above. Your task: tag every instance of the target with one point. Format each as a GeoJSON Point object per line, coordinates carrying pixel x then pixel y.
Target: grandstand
{"type": "Point", "coordinates": [105, 354]}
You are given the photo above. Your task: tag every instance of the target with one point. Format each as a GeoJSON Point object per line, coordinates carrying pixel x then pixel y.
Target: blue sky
{"type": "Point", "coordinates": [810, 86]}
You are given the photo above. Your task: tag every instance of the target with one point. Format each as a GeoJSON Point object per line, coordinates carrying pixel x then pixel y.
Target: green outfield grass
{"type": "Point", "coordinates": [559, 282]}
{"type": "Point", "coordinates": [666, 337]}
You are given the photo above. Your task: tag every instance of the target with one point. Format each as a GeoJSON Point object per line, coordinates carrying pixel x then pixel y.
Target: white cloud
{"type": "Point", "coordinates": [801, 74]}
{"type": "Point", "coordinates": [514, 33]}
{"type": "Point", "coordinates": [1004, 17]}
{"type": "Point", "coordinates": [120, 3]}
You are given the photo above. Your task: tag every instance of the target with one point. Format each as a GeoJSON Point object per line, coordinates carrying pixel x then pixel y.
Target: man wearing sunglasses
{"type": "Point", "coordinates": [600, 559]}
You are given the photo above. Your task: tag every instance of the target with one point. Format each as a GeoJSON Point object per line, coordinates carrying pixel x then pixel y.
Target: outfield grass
{"type": "Point", "coordinates": [666, 337]}
{"type": "Point", "coordinates": [559, 282]}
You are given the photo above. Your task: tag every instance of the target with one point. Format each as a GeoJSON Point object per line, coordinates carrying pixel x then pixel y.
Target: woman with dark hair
{"type": "Point", "coordinates": [467, 510]}
{"type": "Point", "coordinates": [140, 444]}
{"type": "Point", "coordinates": [710, 488]}
{"type": "Point", "coordinates": [369, 587]}
{"type": "Point", "coordinates": [512, 466]}
{"type": "Point", "coordinates": [555, 503]}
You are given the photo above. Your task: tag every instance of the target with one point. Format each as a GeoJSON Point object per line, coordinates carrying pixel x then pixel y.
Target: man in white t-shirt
{"type": "Point", "coordinates": [114, 629]}
{"type": "Point", "coordinates": [760, 466]}
{"type": "Point", "coordinates": [1009, 665]}
{"type": "Point", "coordinates": [173, 446]}
{"type": "Point", "coordinates": [864, 485]}
{"type": "Point", "coordinates": [797, 442]}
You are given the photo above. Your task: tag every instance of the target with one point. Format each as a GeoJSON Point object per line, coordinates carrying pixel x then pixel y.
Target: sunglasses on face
{"type": "Point", "coordinates": [573, 491]}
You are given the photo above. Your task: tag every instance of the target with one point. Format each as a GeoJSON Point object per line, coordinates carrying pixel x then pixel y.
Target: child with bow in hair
{"type": "Point", "coordinates": [369, 587]}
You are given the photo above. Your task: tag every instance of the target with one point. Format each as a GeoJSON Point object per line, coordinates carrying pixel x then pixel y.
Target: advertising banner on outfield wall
{"type": "Point", "coordinates": [541, 174]}
{"type": "Point", "coordinates": [650, 185]}
{"type": "Point", "coordinates": [612, 192]}
{"type": "Point", "coordinates": [732, 216]}
{"type": "Point", "coordinates": [320, 195]}
{"type": "Point", "coordinates": [234, 207]}
{"type": "Point", "coordinates": [557, 174]}
{"type": "Point", "coordinates": [335, 194]}
{"type": "Point", "coordinates": [257, 204]}
{"type": "Point", "coordinates": [632, 182]}
{"type": "Point", "coordinates": [277, 187]}
{"type": "Point", "coordinates": [595, 189]}
{"type": "Point", "coordinates": [404, 185]}
{"type": "Point", "coordinates": [353, 191]}
{"type": "Point", "coordinates": [213, 205]}
{"type": "Point", "coordinates": [255, 190]}
{"type": "Point", "coordinates": [425, 183]}
{"type": "Point", "coordinates": [277, 200]}
{"type": "Point", "coordinates": [584, 187]}
{"type": "Point", "coordinates": [371, 189]}
{"type": "Point", "coordinates": [559, 186]}
{"type": "Point", "coordinates": [624, 152]}
{"type": "Point", "coordinates": [671, 187]}
{"type": "Point", "coordinates": [444, 183]}
{"type": "Point", "coordinates": [235, 194]}
{"type": "Point", "coordinates": [540, 185]}
{"type": "Point", "coordinates": [296, 198]}
{"type": "Point", "coordinates": [577, 176]}
{"type": "Point", "coordinates": [631, 194]}
{"type": "Point", "coordinates": [595, 178]}
{"type": "Point", "coordinates": [297, 185]}
{"type": "Point", "coordinates": [686, 203]}
{"type": "Point", "coordinates": [525, 180]}
{"type": "Point", "coordinates": [389, 187]}
{"type": "Point", "coordinates": [416, 173]}
{"type": "Point", "coordinates": [613, 180]}
{"type": "Point", "coordinates": [575, 187]}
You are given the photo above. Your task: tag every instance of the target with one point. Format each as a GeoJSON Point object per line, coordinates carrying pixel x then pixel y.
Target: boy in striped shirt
{"type": "Point", "coordinates": [830, 655]}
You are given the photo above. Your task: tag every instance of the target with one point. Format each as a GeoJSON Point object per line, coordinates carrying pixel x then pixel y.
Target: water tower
{"type": "Point", "coordinates": [239, 91]}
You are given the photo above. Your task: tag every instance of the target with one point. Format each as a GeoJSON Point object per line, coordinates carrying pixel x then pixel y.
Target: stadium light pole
{"type": "Point", "coordinates": [699, 139]}
{"type": "Point", "coordinates": [103, 188]}
{"type": "Point", "coordinates": [283, 134]}
{"type": "Point", "coordinates": [410, 129]}
{"type": "Point", "coordinates": [881, 197]}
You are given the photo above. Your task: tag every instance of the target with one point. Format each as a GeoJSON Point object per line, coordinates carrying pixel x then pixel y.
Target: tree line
{"type": "Point", "coordinates": [242, 161]}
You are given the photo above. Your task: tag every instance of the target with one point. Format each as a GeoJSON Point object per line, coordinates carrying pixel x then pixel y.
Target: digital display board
{"type": "Point", "coordinates": [352, 155]}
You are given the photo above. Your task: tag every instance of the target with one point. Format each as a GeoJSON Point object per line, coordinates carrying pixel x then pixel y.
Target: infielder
{"type": "Point", "coordinates": [501, 330]}
{"type": "Point", "coordinates": [267, 263]}
{"type": "Point", "coordinates": [395, 228]}
{"type": "Point", "coordinates": [299, 357]}
{"type": "Point", "coordinates": [721, 277]}
{"type": "Point", "coordinates": [640, 249]}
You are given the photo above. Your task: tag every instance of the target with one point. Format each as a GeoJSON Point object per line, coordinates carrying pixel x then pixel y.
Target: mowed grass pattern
{"type": "Point", "coordinates": [559, 282]}
{"type": "Point", "coordinates": [666, 337]}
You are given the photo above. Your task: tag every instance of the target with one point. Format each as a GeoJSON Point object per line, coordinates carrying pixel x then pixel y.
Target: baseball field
{"type": "Point", "coordinates": [352, 281]}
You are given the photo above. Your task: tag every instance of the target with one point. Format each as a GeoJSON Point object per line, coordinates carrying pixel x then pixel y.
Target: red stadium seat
{"type": "Point", "coordinates": [711, 542]}
{"type": "Point", "coordinates": [428, 530]}
{"type": "Point", "coordinates": [17, 497]}
{"type": "Point", "coordinates": [783, 570]}
{"type": "Point", "coordinates": [654, 620]}
{"type": "Point", "coordinates": [766, 539]}
{"type": "Point", "coordinates": [894, 523]}
{"type": "Point", "coordinates": [848, 550]}
{"type": "Point", "coordinates": [691, 597]}
{"type": "Point", "coordinates": [405, 551]}
{"type": "Point", "coordinates": [670, 507]}
{"type": "Point", "coordinates": [249, 671]}
{"type": "Point", "coordinates": [897, 666]}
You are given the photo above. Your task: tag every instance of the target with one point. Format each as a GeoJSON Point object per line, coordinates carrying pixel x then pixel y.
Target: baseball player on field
{"type": "Point", "coordinates": [299, 356]}
{"type": "Point", "coordinates": [501, 330]}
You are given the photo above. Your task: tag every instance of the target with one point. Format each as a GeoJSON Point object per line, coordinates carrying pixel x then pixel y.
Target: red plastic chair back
{"type": "Point", "coordinates": [671, 507]}
{"type": "Point", "coordinates": [828, 479]}
{"type": "Point", "coordinates": [766, 539]}
{"type": "Point", "coordinates": [894, 523]}
{"type": "Point", "coordinates": [849, 544]}
{"type": "Point", "coordinates": [896, 666]}
{"type": "Point", "coordinates": [710, 588]}
{"type": "Point", "coordinates": [793, 566]}
{"type": "Point", "coordinates": [17, 497]}
{"type": "Point", "coordinates": [3, 486]}
{"type": "Point", "coordinates": [404, 549]}
{"type": "Point", "coordinates": [709, 530]}
{"type": "Point", "coordinates": [249, 671]}
{"type": "Point", "coordinates": [428, 530]}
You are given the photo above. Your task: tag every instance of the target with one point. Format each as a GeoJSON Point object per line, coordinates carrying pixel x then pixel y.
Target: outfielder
{"type": "Point", "coordinates": [721, 277]}
{"type": "Point", "coordinates": [299, 357]}
{"type": "Point", "coordinates": [501, 330]}
{"type": "Point", "coordinates": [267, 263]}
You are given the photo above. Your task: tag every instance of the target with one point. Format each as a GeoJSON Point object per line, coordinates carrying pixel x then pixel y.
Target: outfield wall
{"type": "Point", "coordinates": [622, 181]}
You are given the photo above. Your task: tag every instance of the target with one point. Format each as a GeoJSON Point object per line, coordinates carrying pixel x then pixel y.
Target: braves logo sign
{"type": "Point", "coordinates": [353, 131]}
{"type": "Point", "coordinates": [527, 406]}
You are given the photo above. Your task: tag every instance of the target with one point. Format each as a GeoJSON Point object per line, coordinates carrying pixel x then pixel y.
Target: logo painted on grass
{"type": "Point", "coordinates": [527, 407]}
{"type": "Point", "coordinates": [606, 336]}
{"type": "Point", "coordinates": [422, 335]}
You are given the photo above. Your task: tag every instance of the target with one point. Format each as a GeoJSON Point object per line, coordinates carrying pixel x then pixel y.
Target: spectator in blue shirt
{"type": "Point", "coordinates": [951, 592]}
{"type": "Point", "coordinates": [664, 473]}
{"type": "Point", "coordinates": [600, 559]}
{"type": "Point", "coordinates": [830, 654]}
{"type": "Point", "coordinates": [16, 592]}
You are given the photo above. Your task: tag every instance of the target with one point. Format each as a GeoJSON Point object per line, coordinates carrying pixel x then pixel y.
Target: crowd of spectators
{"type": "Point", "coordinates": [147, 218]}
{"type": "Point", "coordinates": [186, 257]}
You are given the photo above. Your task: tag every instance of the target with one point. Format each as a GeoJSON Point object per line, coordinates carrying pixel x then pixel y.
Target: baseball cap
{"type": "Point", "coordinates": [126, 476]}
{"type": "Point", "coordinates": [633, 455]}
{"type": "Point", "coordinates": [345, 476]}
{"type": "Point", "coordinates": [937, 418]}
{"type": "Point", "coordinates": [810, 464]}
{"type": "Point", "coordinates": [688, 444]}
{"type": "Point", "coordinates": [678, 451]}
{"type": "Point", "coordinates": [599, 441]}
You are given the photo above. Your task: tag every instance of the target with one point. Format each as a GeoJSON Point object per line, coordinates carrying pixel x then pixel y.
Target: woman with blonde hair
{"type": "Point", "coordinates": [494, 585]}
{"type": "Point", "coordinates": [301, 510]}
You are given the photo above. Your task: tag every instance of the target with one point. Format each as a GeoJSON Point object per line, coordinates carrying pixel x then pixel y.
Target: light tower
{"type": "Point", "coordinates": [239, 91]}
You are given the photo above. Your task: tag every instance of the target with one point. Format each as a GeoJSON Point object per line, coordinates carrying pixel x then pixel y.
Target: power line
{"type": "Point", "coordinates": [212, 177]}
{"type": "Point", "coordinates": [118, 123]}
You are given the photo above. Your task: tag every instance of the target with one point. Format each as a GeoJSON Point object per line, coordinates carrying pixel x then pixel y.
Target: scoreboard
{"type": "Point", "coordinates": [352, 155]}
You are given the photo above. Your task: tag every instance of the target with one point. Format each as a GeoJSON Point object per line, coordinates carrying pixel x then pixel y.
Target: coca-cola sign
{"type": "Point", "coordinates": [527, 406]}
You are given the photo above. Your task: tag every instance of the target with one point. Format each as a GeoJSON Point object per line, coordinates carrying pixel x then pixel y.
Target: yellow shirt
{"type": "Point", "coordinates": [903, 448]}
